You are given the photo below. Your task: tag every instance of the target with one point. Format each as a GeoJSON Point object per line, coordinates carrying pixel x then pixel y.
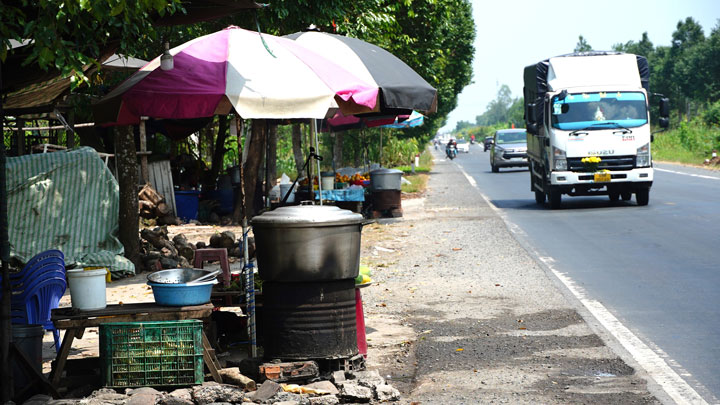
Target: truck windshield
{"type": "Point", "coordinates": [585, 110]}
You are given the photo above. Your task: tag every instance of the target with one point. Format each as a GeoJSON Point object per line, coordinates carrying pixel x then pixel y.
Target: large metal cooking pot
{"type": "Point", "coordinates": [308, 243]}
{"type": "Point", "coordinates": [386, 179]}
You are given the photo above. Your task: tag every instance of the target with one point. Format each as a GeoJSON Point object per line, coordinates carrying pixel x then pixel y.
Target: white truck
{"type": "Point", "coordinates": [588, 126]}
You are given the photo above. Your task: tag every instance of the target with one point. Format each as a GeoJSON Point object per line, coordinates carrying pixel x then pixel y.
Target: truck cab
{"type": "Point", "coordinates": [588, 126]}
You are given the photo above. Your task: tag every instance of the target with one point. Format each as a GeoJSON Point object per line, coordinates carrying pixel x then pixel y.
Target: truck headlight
{"type": "Point", "coordinates": [559, 159]}
{"type": "Point", "coordinates": [643, 156]}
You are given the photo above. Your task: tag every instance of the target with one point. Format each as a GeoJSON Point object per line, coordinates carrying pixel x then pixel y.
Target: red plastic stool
{"type": "Point", "coordinates": [360, 324]}
{"type": "Point", "coordinates": [219, 254]}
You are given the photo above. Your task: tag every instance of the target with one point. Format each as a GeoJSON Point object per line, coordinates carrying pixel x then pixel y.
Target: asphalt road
{"type": "Point", "coordinates": [655, 268]}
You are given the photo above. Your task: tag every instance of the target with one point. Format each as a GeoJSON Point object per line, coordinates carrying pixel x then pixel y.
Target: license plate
{"type": "Point", "coordinates": [602, 177]}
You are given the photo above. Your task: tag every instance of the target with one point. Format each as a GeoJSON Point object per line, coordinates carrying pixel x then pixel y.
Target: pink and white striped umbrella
{"type": "Point", "coordinates": [257, 75]}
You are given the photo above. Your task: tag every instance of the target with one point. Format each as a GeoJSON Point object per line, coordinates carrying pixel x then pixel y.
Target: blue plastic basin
{"type": "Point", "coordinates": [178, 295]}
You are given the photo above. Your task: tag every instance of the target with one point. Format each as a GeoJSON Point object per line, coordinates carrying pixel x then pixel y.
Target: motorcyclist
{"type": "Point", "coordinates": [472, 139]}
{"type": "Point", "coordinates": [450, 146]}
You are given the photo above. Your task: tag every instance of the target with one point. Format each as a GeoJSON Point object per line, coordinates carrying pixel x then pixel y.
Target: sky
{"type": "Point", "coordinates": [511, 34]}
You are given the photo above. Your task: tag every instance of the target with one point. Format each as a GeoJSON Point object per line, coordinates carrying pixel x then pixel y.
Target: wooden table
{"type": "Point", "coordinates": [75, 322]}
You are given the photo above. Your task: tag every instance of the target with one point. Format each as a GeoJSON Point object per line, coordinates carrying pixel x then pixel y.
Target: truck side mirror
{"type": "Point", "coordinates": [530, 113]}
{"type": "Point", "coordinates": [664, 108]}
{"type": "Point", "coordinates": [664, 122]}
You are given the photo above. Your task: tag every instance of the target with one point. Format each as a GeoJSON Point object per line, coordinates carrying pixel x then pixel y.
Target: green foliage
{"type": "Point", "coordinates": [68, 35]}
{"type": "Point", "coordinates": [582, 45]}
{"type": "Point", "coordinates": [689, 143]}
{"type": "Point", "coordinates": [418, 183]}
{"type": "Point", "coordinates": [462, 125]}
{"type": "Point", "coordinates": [711, 116]}
{"type": "Point", "coordinates": [503, 110]}
{"type": "Point", "coordinates": [435, 38]}
{"type": "Point", "coordinates": [398, 152]}
{"type": "Point", "coordinates": [409, 169]}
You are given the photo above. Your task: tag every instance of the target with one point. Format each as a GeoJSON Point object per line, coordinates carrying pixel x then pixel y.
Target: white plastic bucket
{"type": "Point", "coordinates": [87, 289]}
{"type": "Point", "coordinates": [328, 180]}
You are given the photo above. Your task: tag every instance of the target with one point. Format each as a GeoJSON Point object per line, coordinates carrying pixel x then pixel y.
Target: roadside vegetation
{"type": "Point", "coordinates": [688, 72]}
{"type": "Point", "coordinates": [418, 179]}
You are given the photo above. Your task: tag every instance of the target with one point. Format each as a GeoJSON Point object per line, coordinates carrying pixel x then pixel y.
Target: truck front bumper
{"type": "Point", "coordinates": [640, 175]}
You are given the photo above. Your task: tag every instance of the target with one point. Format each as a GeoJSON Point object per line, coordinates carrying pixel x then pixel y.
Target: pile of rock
{"type": "Point", "coordinates": [158, 251]}
{"type": "Point", "coordinates": [367, 387]}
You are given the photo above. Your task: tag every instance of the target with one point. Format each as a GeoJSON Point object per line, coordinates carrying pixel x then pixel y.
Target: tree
{"type": "Point", "coordinates": [462, 125]}
{"type": "Point", "coordinates": [582, 45]}
{"type": "Point", "coordinates": [435, 38]}
{"type": "Point", "coordinates": [497, 110]}
{"type": "Point", "coordinates": [515, 114]}
{"type": "Point", "coordinates": [66, 36]}
{"type": "Point", "coordinates": [643, 47]}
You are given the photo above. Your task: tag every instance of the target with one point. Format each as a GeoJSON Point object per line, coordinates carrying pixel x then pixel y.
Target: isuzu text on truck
{"type": "Point", "coordinates": [588, 126]}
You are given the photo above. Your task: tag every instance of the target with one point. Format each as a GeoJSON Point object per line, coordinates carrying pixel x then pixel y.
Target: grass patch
{"type": "Point", "coordinates": [418, 183]}
{"type": "Point", "coordinates": [408, 169]}
{"type": "Point", "coordinates": [690, 143]}
{"type": "Point", "coordinates": [425, 164]}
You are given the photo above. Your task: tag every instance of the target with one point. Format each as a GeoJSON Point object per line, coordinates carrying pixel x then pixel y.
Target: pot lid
{"type": "Point", "coordinates": [385, 171]}
{"type": "Point", "coordinates": [307, 215]}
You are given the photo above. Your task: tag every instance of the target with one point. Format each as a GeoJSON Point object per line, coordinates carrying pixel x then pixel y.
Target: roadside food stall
{"type": "Point", "coordinates": [304, 253]}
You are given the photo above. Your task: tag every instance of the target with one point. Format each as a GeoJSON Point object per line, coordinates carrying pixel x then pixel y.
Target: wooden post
{"type": "Point", "coordinates": [271, 161]}
{"type": "Point", "coordinates": [237, 127]}
{"type": "Point", "coordinates": [143, 149]}
{"type": "Point", "coordinates": [70, 135]}
{"type": "Point", "coordinates": [311, 172]}
{"type": "Point", "coordinates": [6, 388]}
{"type": "Point", "coordinates": [255, 153]}
{"type": "Point", "coordinates": [338, 149]}
{"type": "Point", "coordinates": [297, 148]}
{"type": "Point", "coordinates": [20, 137]}
{"type": "Point", "coordinates": [381, 147]}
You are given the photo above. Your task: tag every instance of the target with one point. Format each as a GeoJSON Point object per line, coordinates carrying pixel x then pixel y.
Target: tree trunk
{"type": "Point", "coordinates": [297, 148]}
{"type": "Point", "coordinates": [338, 150]}
{"type": "Point", "coordinates": [251, 169]}
{"type": "Point", "coordinates": [128, 182]}
{"type": "Point", "coordinates": [271, 162]}
{"type": "Point", "coordinates": [219, 151]}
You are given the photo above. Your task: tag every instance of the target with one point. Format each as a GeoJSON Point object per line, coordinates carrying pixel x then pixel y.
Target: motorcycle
{"type": "Point", "coordinates": [451, 153]}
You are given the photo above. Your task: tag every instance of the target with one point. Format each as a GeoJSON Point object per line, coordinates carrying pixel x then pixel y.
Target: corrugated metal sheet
{"type": "Point", "coordinates": [160, 177]}
{"type": "Point", "coordinates": [69, 201]}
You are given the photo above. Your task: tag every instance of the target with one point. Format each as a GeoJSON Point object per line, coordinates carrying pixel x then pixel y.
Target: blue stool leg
{"type": "Point", "coordinates": [56, 335]}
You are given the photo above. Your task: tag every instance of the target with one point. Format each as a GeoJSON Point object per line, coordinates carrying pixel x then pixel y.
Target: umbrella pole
{"type": "Point", "coordinates": [313, 133]}
{"type": "Point", "coordinates": [381, 148]}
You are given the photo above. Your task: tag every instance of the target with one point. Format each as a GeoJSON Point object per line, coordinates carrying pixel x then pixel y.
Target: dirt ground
{"type": "Point", "coordinates": [458, 312]}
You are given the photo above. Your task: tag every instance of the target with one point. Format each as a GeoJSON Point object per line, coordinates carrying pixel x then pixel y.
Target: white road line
{"type": "Point", "coordinates": [653, 364]}
{"type": "Point", "coordinates": [687, 174]}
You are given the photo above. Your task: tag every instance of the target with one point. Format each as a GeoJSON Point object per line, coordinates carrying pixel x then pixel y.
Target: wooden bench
{"type": "Point", "coordinates": [75, 322]}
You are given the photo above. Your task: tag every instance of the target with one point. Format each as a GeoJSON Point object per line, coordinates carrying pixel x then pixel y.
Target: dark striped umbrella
{"type": "Point", "coordinates": [401, 88]}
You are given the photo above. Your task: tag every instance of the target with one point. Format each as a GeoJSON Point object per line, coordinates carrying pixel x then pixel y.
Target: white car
{"type": "Point", "coordinates": [463, 146]}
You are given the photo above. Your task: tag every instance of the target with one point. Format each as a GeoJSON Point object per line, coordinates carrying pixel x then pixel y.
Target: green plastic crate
{"type": "Point", "coordinates": [140, 354]}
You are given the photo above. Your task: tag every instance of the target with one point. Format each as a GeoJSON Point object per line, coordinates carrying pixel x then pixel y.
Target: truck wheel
{"type": "Point", "coordinates": [555, 199]}
{"type": "Point", "coordinates": [642, 196]}
{"type": "Point", "coordinates": [626, 195]}
{"type": "Point", "coordinates": [539, 197]}
{"type": "Point", "coordinates": [614, 195]}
